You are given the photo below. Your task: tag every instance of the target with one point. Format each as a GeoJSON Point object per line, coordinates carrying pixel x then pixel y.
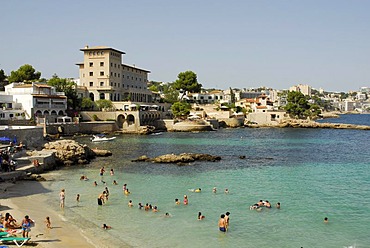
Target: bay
{"type": "Point", "coordinates": [313, 173]}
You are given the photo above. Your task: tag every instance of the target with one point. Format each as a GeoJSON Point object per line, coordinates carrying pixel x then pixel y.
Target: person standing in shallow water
{"type": "Point", "coordinates": [222, 223]}
{"type": "Point", "coordinates": [227, 220]}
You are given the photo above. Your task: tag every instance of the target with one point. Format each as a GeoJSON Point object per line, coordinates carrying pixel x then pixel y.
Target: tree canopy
{"type": "Point", "coordinates": [25, 73]}
{"type": "Point", "coordinates": [104, 104]}
{"type": "Point", "coordinates": [87, 104]}
{"type": "Point", "coordinates": [180, 109]}
{"type": "Point", "coordinates": [187, 81]}
{"type": "Point", "coordinates": [299, 107]}
{"type": "Point", "coordinates": [2, 79]}
{"type": "Point", "coordinates": [68, 87]}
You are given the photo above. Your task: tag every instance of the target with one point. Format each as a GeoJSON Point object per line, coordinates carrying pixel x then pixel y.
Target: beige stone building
{"type": "Point", "coordinates": [106, 77]}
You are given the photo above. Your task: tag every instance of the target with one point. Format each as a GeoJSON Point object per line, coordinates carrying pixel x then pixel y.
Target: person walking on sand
{"type": "Point", "coordinates": [222, 223]}
{"type": "Point", "coordinates": [26, 226]}
{"type": "Point", "coordinates": [78, 198]}
{"type": "Point", "coordinates": [47, 222]}
{"type": "Point", "coordinates": [62, 197]}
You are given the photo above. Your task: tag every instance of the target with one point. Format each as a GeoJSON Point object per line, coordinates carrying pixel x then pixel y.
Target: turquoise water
{"type": "Point", "coordinates": [314, 173]}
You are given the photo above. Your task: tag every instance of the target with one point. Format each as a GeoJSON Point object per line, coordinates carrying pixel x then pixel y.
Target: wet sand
{"type": "Point", "coordinates": [31, 198]}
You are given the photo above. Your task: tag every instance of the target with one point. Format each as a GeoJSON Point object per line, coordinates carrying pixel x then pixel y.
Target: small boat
{"type": "Point", "coordinates": [101, 137]}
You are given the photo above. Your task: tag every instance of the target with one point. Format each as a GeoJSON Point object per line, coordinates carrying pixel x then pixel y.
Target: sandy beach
{"type": "Point", "coordinates": [30, 198]}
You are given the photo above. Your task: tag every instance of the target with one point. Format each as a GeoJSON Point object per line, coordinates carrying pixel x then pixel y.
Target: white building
{"type": "Point", "coordinates": [303, 88]}
{"type": "Point", "coordinates": [36, 99]}
{"type": "Point", "coordinates": [206, 98]}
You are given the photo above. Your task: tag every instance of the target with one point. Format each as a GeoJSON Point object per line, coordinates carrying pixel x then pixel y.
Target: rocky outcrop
{"type": "Point", "coordinates": [312, 124]}
{"type": "Point", "coordinates": [69, 152]}
{"type": "Point", "coordinates": [182, 158]}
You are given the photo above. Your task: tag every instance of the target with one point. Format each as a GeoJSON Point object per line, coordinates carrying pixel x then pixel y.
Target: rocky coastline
{"type": "Point", "coordinates": [310, 124]}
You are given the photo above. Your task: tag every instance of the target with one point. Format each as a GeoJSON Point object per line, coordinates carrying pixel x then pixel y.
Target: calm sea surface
{"type": "Point", "coordinates": [314, 173]}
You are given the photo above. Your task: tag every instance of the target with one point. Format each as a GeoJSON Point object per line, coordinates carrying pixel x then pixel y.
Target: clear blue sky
{"type": "Point", "coordinates": [238, 44]}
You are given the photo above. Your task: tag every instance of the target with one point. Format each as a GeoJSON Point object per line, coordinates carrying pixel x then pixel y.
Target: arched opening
{"type": "Point", "coordinates": [46, 112]}
{"type": "Point", "coordinates": [102, 96]}
{"type": "Point", "coordinates": [91, 95]}
{"type": "Point", "coordinates": [53, 112]}
{"type": "Point", "coordinates": [60, 112]}
{"type": "Point", "coordinates": [130, 120]}
{"type": "Point", "coordinates": [120, 120]}
{"type": "Point", "coordinates": [38, 113]}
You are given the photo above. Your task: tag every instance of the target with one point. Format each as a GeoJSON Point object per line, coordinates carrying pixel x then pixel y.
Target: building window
{"type": "Point", "coordinates": [91, 64]}
{"type": "Point", "coordinates": [101, 63]}
{"type": "Point", "coordinates": [128, 77]}
{"type": "Point", "coordinates": [115, 74]}
{"type": "Point", "coordinates": [91, 84]}
{"type": "Point", "coordinates": [101, 83]}
{"type": "Point", "coordinates": [91, 73]}
{"type": "Point", "coordinates": [111, 83]}
{"type": "Point", "coordinates": [111, 64]}
{"type": "Point", "coordinates": [115, 84]}
{"type": "Point", "coordinates": [115, 65]}
{"type": "Point", "coordinates": [101, 73]}
{"type": "Point", "coordinates": [111, 73]}
{"type": "Point", "coordinates": [119, 75]}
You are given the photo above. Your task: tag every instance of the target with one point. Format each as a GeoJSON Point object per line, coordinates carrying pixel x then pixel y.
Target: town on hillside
{"type": "Point", "coordinates": [120, 97]}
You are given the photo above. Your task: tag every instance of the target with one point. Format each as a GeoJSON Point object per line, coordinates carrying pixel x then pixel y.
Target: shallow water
{"type": "Point", "coordinates": [314, 173]}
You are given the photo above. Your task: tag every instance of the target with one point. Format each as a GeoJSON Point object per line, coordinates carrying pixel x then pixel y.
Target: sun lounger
{"type": "Point", "coordinates": [18, 241]}
{"type": "Point", "coordinates": [4, 234]}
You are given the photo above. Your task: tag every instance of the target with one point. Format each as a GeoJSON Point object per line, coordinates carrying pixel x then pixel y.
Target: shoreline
{"type": "Point", "coordinates": [32, 198]}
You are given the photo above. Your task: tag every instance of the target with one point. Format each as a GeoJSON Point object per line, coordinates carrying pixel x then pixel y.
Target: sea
{"type": "Point", "coordinates": [313, 173]}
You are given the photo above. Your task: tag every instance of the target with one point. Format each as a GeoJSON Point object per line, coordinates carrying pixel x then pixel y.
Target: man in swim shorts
{"type": "Point", "coordinates": [222, 223]}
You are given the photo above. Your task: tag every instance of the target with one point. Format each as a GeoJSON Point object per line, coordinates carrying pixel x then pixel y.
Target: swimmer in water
{"type": "Point", "coordinates": [177, 201]}
{"type": "Point", "coordinates": [326, 220]}
{"type": "Point", "coordinates": [115, 182]}
{"type": "Point", "coordinates": [278, 205]}
{"type": "Point", "coordinates": [214, 190]}
{"type": "Point", "coordinates": [186, 201]}
{"type": "Point", "coordinates": [200, 216]}
{"type": "Point", "coordinates": [226, 191]}
{"type": "Point", "coordinates": [105, 227]}
{"type": "Point", "coordinates": [130, 203]}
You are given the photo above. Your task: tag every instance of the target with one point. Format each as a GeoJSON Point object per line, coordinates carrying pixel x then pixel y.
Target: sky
{"type": "Point", "coordinates": [238, 44]}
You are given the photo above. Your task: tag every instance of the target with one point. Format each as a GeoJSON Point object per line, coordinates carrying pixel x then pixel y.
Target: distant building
{"type": "Point", "coordinates": [106, 77]}
{"type": "Point", "coordinates": [304, 89]}
{"type": "Point", "coordinates": [206, 98]}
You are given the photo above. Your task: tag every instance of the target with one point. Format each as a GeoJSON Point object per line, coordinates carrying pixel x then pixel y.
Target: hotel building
{"type": "Point", "coordinates": [105, 77]}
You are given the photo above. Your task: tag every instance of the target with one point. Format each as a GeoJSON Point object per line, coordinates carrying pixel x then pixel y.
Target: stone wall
{"type": "Point", "coordinates": [82, 127]}
{"type": "Point", "coordinates": [30, 136]}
